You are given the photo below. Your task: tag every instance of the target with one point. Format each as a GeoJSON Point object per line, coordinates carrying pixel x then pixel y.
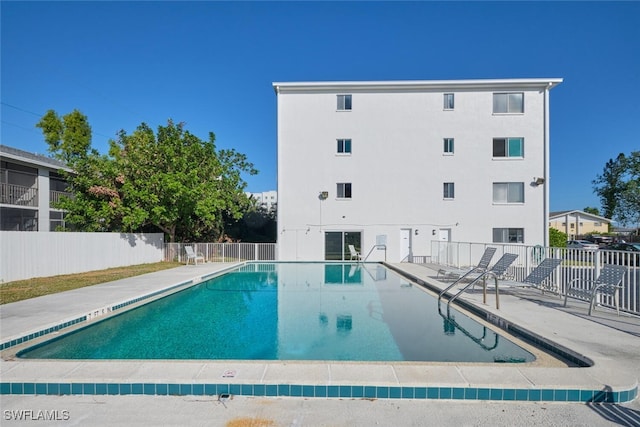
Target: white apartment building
{"type": "Point", "coordinates": [402, 163]}
{"type": "Point", "coordinates": [266, 199]}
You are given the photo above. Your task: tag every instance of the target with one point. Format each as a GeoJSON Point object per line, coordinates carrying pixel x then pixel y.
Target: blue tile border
{"type": "Point", "coordinates": [12, 343]}
{"type": "Point", "coordinates": [322, 391]}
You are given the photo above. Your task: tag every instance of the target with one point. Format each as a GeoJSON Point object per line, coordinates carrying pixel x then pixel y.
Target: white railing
{"type": "Point", "coordinates": [54, 196]}
{"type": "Point", "coordinates": [577, 264]}
{"type": "Point", "coordinates": [223, 252]}
{"type": "Point", "coordinates": [12, 194]}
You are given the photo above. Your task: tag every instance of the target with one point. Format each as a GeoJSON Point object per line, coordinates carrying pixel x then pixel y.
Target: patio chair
{"type": "Point", "coordinates": [460, 274]}
{"type": "Point", "coordinates": [538, 276]}
{"type": "Point", "coordinates": [608, 283]}
{"type": "Point", "coordinates": [192, 255]}
{"type": "Point", "coordinates": [499, 269]}
{"type": "Point", "coordinates": [354, 254]}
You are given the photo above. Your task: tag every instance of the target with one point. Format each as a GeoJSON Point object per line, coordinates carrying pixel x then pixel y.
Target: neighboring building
{"type": "Point", "coordinates": [578, 223]}
{"type": "Point", "coordinates": [266, 199]}
{"type": "Point", "coordinates": [402, 163]}
{"type": "Point", "coordinates": [29, 184]}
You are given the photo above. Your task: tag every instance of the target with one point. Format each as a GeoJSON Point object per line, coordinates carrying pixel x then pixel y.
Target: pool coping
{"type": "Point", "coordinates": [610, 379]}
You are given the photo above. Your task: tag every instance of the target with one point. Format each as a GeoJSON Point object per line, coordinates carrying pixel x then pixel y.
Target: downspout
{"type": "Point", "coordinates": [546, 176]}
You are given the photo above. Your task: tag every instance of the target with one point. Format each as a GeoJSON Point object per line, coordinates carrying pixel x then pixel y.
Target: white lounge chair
{"type": "Point", "coordinates": [192, 255]}
{"type": "Point", "coordinates": [459, 274]}
{"type": "Point", "coordinates": [354, 254]}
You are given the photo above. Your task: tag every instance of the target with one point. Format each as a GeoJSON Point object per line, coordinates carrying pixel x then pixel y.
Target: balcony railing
{"type": "Point", "coordinates": [20, 195]}
{"type": "Point", "coordinates": [54, 196]}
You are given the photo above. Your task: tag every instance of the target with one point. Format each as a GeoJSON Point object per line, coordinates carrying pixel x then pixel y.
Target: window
{"type": "Point", "coordinates": [448, 145]}
{"type": "Point", "coordinates": [506, 103]}
{"type": "Point", "coordinates": [448, 190]}
{"type": "Point", "coordinates": [344, 102]}
{"type": "Point", "coordinates": [344, 146]}
{"type": "Point", "coordinates": [344, 190]}
{"type": "Point", "coordinates": [508, 192]}
{"type": "Point", "coordinates": [56, 221]}
{"type": "Point", "coordinates": [508, 147]}
{"type": "Point", "coordinates": [448, 101]}
{"type": "Point", "coordinates": [508, 235]}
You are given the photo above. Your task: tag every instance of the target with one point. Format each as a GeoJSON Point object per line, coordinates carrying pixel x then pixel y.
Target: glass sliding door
{"type": "Point", "coordinates": [333, 246]}
{"type": "Point", "coordinates": [336, 244]}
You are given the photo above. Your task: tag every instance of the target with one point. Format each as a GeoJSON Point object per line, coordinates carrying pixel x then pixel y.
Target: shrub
{"type": "Point", "coordinates": [557, 239]}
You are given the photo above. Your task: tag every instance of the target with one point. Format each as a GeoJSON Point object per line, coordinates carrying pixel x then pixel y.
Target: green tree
{"type": "Point", "coordinates": [628, 211]}
{"type": "Point", "coordinates": [557, 239]}
{"type": "Point", "coordinates": [594, 211]}
{"type": "Point", "coordinates": [170, 180]}
{"type": "Point", "coordinates": [619, 188]}
{"type": "Point", "coordinates": [68, 137]}
{"type": "Point", "coordinates": [610, 184]}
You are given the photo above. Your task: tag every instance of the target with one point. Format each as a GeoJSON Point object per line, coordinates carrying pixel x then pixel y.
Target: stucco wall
{"type": "Point", "coordinates": [397, 168]}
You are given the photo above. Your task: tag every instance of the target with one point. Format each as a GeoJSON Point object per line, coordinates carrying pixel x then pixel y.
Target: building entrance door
{"type": "Point", "coordinates": [405, 245]}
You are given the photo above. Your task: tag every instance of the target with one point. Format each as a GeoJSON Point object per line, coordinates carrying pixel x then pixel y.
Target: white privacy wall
{"type": "Point", "coordinates": [397, 166]}
{"type": "Point", "coordinates": [24, 254]}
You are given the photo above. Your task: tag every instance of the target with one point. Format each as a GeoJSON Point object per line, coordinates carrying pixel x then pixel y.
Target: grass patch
{"type": "Point", "coordinates": [24, 289]}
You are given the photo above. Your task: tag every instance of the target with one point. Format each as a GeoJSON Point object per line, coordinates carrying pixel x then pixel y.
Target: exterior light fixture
{"type": "Point", "coordinates": [538, 181]}
{"type": "Point", "coordinates": [323, 195]}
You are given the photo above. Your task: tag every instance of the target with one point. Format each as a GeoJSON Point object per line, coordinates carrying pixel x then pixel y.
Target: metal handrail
{"type": "Point", "coordinates": [473, 270]}
{"type": "Point", "coordinates": [484, 289]}
{"type": "Point", "coordinates": [371, 250]}
{"type": "Point", "coordinates": [496, 271]}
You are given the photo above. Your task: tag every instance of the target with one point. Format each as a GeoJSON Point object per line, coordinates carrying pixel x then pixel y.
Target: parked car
{"type": "Point", "coordinates": [629, 254]}
{"type": "Point", "coordinates": [602, 241]}
{"type": "Point", "coordinates": [582, 244]}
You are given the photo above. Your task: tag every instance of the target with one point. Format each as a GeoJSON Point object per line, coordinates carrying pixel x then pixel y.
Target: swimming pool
{"type": "Point", "coordinates": [291, 311]}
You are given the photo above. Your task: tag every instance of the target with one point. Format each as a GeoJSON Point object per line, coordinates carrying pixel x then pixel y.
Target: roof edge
{"type": "Point", "coordinates": [539, 83]}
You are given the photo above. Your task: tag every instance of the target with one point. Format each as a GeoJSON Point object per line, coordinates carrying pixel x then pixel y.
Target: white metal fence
{"type": "Point", "coordinates": [222, 252]}
{"type": "Point", "coordinates": [577, 264]}
{"type": "Point", "coordinates": [27, 254]}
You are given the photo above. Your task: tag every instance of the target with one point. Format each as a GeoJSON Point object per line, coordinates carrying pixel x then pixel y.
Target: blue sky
{"type": "Point", "coordinates": [211, 65]}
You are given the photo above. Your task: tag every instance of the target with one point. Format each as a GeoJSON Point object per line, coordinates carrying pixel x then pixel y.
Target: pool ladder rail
{"type": "Point", "coordinates": [497, 271]}
{"type": "Point", "coordinates": [450, 325]}
{"type": "Point", "coordinates": [383, 247]}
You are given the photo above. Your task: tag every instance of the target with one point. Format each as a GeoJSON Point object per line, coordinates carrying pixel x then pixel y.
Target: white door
{"type": "Point", "coordinates": [444, 255]}
{"type": "Point", "coordinates": [405, 244]}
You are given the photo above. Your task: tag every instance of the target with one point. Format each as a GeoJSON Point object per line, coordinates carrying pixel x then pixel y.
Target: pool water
{"type": "Point", "coordinates": [291, 311]}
